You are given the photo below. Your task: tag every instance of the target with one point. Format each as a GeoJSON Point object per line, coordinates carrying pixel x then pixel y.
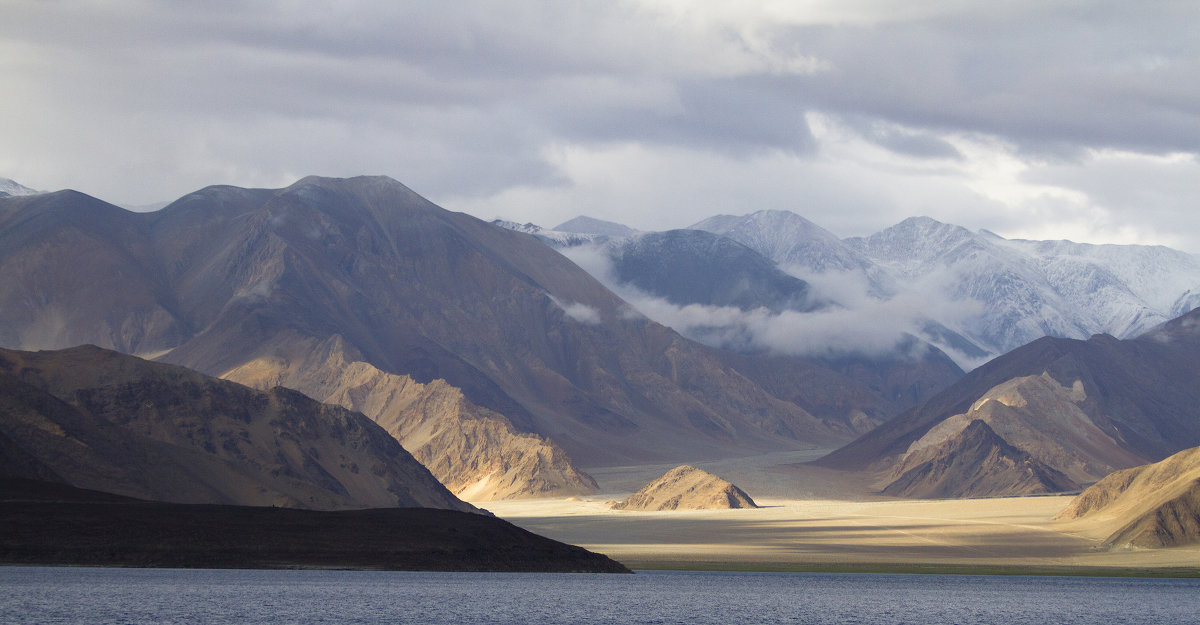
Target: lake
{"type": "Point", "coordinates": [33, 595]}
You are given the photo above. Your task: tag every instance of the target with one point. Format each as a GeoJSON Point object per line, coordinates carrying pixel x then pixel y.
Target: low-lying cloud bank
{"type": "Point", "coordinates": [850, 323]}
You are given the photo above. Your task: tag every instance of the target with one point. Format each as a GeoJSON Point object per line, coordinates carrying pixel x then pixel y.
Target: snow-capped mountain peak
{"type": "Point", "coordinates": [788, 239]}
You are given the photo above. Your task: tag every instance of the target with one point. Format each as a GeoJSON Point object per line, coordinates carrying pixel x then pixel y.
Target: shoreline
{"type": "Point", "coordinates": [917, 569]}
{"type": "Point", "coordinates": [657, 566]}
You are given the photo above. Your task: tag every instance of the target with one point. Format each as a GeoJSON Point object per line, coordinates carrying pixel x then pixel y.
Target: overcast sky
{"type": "Point", "coordinates": [1032, 119]}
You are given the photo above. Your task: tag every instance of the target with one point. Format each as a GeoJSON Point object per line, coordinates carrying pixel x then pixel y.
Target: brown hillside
{"type": "Point", "coordinates": [1155, 505]}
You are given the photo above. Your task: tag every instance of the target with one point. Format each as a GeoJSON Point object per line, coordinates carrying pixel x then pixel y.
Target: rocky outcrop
{"type": "Point", "coordinates": [101, 420]}
{"type": "Point", "coordinates": [1155, 505]}
{"type": "Point", "coordinates": [475, 452]}
{"type": "Point", "coordinates": [687, 488]}
{"type": "Point", "coordinates": [975, 462]}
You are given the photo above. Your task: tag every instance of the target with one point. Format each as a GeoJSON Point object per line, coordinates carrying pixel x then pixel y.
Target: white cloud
{"type": "Point", "coordinates": [578, 311]}
{"type": "Point", "coordinates": [855, 322]}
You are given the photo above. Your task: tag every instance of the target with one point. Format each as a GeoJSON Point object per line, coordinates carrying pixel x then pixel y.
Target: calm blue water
{"type": "Point", "coordinates": [126, 596]}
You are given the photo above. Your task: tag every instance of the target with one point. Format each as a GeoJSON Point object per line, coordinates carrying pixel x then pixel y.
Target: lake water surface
{"type": "Point", "coordinates": [127, 596]}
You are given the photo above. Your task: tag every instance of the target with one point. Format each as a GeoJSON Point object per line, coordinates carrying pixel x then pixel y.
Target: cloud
{"type": "Point", "coordinates": [853, 323]}
{"type": "Point", "coordinates": [656, 113]}
{"type": "Point", "coordinates": [578, 311]}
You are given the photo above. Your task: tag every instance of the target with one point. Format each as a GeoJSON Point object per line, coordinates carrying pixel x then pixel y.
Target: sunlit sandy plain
{"type": "Point", "coordinates": [813, 518]}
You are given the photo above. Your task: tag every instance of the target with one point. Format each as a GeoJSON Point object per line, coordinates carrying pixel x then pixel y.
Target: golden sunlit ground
{"type": "Point", "coordinates": [831, 522]}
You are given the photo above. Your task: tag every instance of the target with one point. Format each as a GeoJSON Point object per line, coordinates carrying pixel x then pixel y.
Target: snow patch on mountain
{"type": "Point", "coordinates": [553, 238]}
{"type": "Point", "coordinates": [9, 187]}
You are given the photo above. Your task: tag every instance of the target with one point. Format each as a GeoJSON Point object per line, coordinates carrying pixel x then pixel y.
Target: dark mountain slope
{"type": "Point", "coordinates": [98, 419]}
{"type": "Point", "coordinates": [51, 524]}
{"type": "Point", "coordinates": [79, 270]}
{"type": "Point", "coordinates": [697, 267]}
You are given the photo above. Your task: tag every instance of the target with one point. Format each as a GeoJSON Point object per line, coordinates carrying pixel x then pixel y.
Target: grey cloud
{"type": "Point", "coordinates": [903, 141]}
{"type": "Point", "coordinates": [139, 102]}
{"type": "Point", "coordinates": [1047, 78]}
{"type": "Point", "coordinates": [735, 116]}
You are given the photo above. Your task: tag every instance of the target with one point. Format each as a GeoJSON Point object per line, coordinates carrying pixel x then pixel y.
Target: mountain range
{"type": "Point", "coordinates": [508, 358]}
{"type": "Point", "coordinates": [1053, 413]}
{"type": "Point", "coordinates": [979, 294]}
{"type": "Point", "coordinates": [501, 364]}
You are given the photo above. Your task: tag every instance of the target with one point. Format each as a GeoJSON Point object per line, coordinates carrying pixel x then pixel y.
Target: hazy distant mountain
{"type": "Point", "coordinates": [1083, 408]}
{"type": "Point", "coordinates": [361, 292]}
{"type": "Point", "coordinates": [105, 421]}
{"type": "Point", "coordinates": [724, 294]}
{"type": "Point", "coordinates": [982, 295]}
{"type": "Point", "coordinates": [695, 267]}
{"type": "Point", "coordinates": [590, 225]}
{"type": "Point", "coordinates": [12, 188]}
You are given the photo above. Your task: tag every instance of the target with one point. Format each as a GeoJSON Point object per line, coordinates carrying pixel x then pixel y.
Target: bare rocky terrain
{"type": "Point", "coordinates": [687, 488]}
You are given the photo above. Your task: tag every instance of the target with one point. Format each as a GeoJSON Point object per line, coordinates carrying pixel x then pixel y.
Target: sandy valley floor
{"type": "Point", "coordinates": [815, 517]}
